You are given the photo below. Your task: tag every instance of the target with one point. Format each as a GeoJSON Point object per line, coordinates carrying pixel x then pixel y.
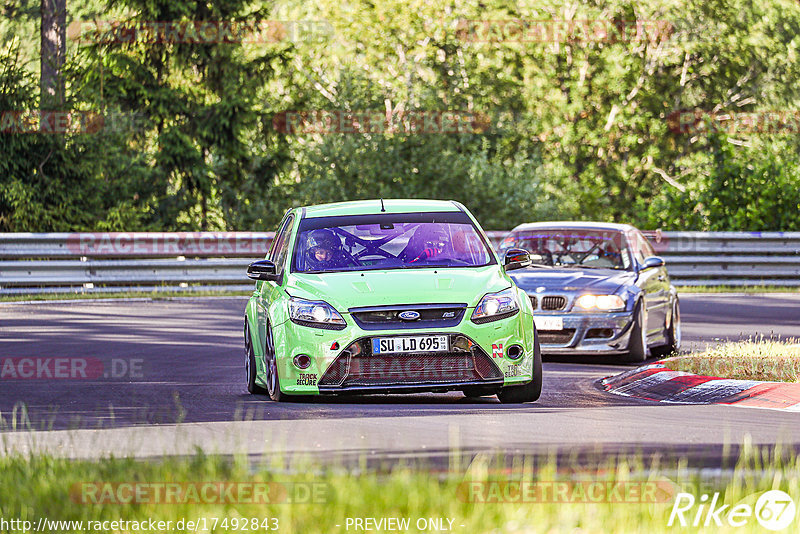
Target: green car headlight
{"type": "Point", "coordinates": [495, 306]}
{"type": "Point", "coordinates": [600, 302]}
{"type": "Point", "coordinates": [315, 313]}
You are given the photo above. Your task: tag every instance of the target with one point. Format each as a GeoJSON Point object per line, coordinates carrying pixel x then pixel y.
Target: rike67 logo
{"type": "Point", "coordinates": [774, 510]}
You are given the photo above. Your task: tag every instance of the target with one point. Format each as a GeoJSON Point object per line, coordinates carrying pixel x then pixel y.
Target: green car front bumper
{"type": "Point", "coordinates": [341, 361]}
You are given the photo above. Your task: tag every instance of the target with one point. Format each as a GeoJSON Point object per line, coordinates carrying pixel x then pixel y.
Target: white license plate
{"type": "Point", "coordinates": [390, 345]}
{"type": "Point", "coordinates": [548, 323]}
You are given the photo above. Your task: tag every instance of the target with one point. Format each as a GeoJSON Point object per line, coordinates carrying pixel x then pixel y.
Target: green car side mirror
{"type": "Point", "coordinates": [263, 270]}
{"type": "Point", "coordinates": [516, 258]}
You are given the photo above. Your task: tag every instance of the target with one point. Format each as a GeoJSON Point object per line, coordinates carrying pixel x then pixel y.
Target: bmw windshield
{"type": "Point", "coordinates": [389, 241]}
{"type": "Point", "coordinates": [578, 248]}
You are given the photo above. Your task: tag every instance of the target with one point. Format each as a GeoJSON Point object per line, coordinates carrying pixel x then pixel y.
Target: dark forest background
{"type": "Point", "coordinates": [580, 128]}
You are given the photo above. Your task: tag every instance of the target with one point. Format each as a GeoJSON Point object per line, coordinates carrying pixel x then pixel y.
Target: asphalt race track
{"type": "Point", "coordinates": [143, 365]}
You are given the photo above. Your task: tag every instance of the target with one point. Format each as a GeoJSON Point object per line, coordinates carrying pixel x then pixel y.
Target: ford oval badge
{"type": "Point", "coordinates": [409, 315]}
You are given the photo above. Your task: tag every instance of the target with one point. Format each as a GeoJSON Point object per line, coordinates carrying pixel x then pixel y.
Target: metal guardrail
{"type": "Point", "coordinates": [730, 258]}
{"type": "Point", "coordinates": [95, 262]}
{"type": "Point", "coordinates": [134, 245]}
{"type": "Point", "coordinates": [104, 262]}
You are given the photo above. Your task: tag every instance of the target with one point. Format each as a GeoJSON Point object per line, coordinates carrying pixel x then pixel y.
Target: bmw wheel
{"type": "Point", "coordinates": [673, 332]}
{"type": "Point", "coordinates": [637, 347]}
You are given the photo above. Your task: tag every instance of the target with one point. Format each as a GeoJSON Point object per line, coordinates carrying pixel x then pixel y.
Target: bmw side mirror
{"type": "Point", "coordinates": [651, 262]}
{"type": "Point", "coordinates": [516, 258]}
{"type": "Point", "coordinates": [263, 270]}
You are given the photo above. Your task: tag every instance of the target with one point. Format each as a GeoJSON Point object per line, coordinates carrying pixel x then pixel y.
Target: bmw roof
{"type": "Point", "coordinates": [582, 225]}
{"type": "Point", "coordinates": [367, 207]}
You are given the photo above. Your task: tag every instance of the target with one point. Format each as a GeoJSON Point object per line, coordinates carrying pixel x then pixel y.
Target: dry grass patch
{"type": "Point", "coordinates": [772, 361]}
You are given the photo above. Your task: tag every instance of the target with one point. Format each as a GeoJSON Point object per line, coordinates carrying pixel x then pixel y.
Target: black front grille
{"type": "Point", "coordinates": [367, 369]}
{"type": "Point", "coordinates": [556, 337]}
{"type": "Point", "coordinates": [554, 303]}
{"type": "Point", "coordinates": [533, 301]}
{"type": "Point", "coordinates": [388, 317]}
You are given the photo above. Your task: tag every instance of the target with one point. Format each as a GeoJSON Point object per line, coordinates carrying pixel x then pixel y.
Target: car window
{"type": "Point", "coordinates": [559, 247]}
{"type": "Point", "coordinates": [276, 240]}
{"type": "Point", "coordinates": [647, 247]}
{"type": "Point", "coordinates": [640, 247]}
{"type": "Point", "coordinates": [392, 241]}
{"type": "Point", "coordinates": [280, 249]}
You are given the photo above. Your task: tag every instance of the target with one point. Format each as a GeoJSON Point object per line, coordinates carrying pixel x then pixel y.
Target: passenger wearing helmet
{"type": "Point", "coordinates": [324, 251]}
{"type": "Point", "coordinates": [428, 242]}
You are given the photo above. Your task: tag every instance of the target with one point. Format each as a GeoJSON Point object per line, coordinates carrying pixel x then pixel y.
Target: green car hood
{"type": "Point", "coordinates": [413, 286]}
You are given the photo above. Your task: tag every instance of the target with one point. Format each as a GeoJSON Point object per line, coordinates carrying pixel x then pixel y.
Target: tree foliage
{"type": "Point", "coordinates": [577, 127]}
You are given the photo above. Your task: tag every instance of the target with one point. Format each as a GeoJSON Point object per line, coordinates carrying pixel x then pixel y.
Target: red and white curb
{"type": "Point", "coordinates": [657, 382]}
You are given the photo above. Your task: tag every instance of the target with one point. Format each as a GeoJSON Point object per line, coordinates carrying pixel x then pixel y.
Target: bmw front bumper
{"type": "Point", "coordinates": [588, 333]}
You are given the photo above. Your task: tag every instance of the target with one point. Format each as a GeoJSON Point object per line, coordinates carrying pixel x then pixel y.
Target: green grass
{"type": "Point", "coordinates": [56, 489]}
{"type": "Point", "coordinates": [738, 289]}
{"type": "Point", "coordinates": [773, 361]}
{"type": "Point", "coordinates": [154, 295]}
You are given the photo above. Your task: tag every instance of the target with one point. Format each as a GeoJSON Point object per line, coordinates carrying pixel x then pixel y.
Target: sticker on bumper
{"type": "Point", "coordinates": [307, 379]}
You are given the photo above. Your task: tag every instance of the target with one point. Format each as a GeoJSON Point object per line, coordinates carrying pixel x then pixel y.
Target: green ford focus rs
{"type": "Point", "coordinates": [395, 296]}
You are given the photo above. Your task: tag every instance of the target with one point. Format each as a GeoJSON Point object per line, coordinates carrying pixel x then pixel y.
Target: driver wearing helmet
{"type": "Point", "coordinates": [608, 255]}
{"type": "Point", "coordinates": [324, 251]}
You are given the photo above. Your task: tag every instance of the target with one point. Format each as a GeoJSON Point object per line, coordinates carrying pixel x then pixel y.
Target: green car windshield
{"type": "Point", "coordinates": [390, 241]}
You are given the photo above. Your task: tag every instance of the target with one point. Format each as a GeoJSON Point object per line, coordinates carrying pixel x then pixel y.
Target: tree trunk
{"type": "Point", "coordinates": [54, 48]}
